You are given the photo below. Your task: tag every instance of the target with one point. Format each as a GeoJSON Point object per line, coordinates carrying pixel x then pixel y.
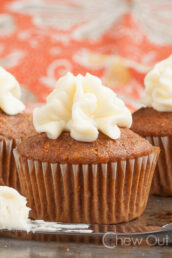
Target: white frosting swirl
{"type": "Point", "coordinates": [10, 93]}
{"type": "Point", "coordinates": [158, 83]}
{"type": "Point", "coordinates": [82, 105]}
{"type": "Point", "coordinates": [14, 214]}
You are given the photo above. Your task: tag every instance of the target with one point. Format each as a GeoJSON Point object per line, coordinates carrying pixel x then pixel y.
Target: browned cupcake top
{"type": "Point", "coordinates": [67, 150]}
{"type": "Point", "coordinates": [16, 126]}
{"type": "Point", "coordinates": [149, 122]}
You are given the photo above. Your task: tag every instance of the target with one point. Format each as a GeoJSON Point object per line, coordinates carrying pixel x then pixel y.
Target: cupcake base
{"type": "Point", "coordinates": [107, 193]}
{"type": "Point", "coordinates": [162, 179]}
{"type": "Point", "coordinates": [8, 171]}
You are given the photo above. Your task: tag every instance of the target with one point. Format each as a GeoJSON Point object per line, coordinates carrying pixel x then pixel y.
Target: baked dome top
{"type": "Point", "coordinates": [67, 150]}
{"type": "Point", "coordinates": [149, 122]}
{"type": "Point", "coordinates": [16, 126]}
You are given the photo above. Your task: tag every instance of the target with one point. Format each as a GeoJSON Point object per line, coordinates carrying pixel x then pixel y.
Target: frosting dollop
{"type": "Point", "coordinates": [82, 105]}
{"type": "Point", "coordinates": [13, 210]}
{"type": "Point", "coordinates": [158, 86]}
{"type": "Point", "coordinates": [10, 93]}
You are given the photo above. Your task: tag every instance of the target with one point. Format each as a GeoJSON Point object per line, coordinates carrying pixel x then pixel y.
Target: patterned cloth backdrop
{"type": "Point", "coordinates": [40, 40]}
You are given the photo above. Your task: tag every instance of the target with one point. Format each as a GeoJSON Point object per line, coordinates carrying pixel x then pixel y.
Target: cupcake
{"type": "Point", "coordinates": [14, 126]}
{"type": "Point", "coordinates": [154, 122]}
{"type": "Point", "coordinates": [85, 165]}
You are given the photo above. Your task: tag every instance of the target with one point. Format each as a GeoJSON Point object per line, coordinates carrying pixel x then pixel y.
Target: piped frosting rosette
{"type": "Point", "coordinates": [83, 106]}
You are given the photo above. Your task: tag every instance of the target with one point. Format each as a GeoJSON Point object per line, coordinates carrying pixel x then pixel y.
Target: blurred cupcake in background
{"type": "Point", "coordinates": [85, 165]}
{"type": "Point", "coordinates": [154, 122]}
{"type": "Point", "coordinates": [14, 126]}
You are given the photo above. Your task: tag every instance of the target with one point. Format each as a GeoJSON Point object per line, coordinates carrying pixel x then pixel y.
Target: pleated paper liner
{"type": "Point", "coordinates": [107, 193]}
{"type": "Point", "coordinates": [162, 179]}
{"type": "Point", "coordinates": [8, 171]}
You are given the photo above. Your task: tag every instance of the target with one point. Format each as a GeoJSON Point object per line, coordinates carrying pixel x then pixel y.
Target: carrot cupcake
{"type": "Point", "coordinates": [154, 122]}
{"type": "Point", "coordinates": [85, 165]}
{"type": "Point", "coordinates": [14, 126]}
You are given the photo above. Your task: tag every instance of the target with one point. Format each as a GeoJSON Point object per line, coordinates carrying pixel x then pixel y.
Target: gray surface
{"type": "Point", "coordinates": [31, 249]}
{"type": "Point", "coordinates": [158, 212]}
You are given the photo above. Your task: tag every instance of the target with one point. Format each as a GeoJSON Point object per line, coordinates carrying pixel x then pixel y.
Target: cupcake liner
{"type": "Point", "coordinates": [104, 193]}
{"type": "Point", "coordinates": [162, 180]}
{"type": "Point", "coordinates": [8, 172]}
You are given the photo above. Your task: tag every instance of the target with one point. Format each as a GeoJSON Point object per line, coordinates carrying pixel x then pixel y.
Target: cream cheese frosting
{"type": "Point", "coordinates": [10, 94]}
{"type": "Point", "coordinates": [158, 86]}
{"type": "Point", "coordinates": [13, 210]}
{"type": "Point", "coordinates": [83, 106]}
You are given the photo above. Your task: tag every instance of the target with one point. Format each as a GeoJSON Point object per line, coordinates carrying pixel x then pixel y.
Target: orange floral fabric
{"type": "Point", "coordinates": [42, 40]}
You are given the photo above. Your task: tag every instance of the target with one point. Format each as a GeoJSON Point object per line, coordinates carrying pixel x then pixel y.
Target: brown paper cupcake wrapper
{"type": "Point", "coordinates": [162, 179]}
{"type": "Point", "coordinates": [8, 171]}
{"type": "Point", "coordinates": [105, 193]}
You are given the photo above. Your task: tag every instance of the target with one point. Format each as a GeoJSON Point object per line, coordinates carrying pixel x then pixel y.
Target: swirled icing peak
{"type": "Point", "coordinates": [10, 93]}
{"type": "Point", "coordinates": [83, 106]}
{"type": "Point", "coordinates": [14, 214]}
{"type": "Point", "coordinates": [158, 83]}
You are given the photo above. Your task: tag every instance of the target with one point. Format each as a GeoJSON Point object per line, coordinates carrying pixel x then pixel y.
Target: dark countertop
{"type": "Point", "coordinates": [157, 213]}
{"type": "Point", "coordinates": [31, 249]}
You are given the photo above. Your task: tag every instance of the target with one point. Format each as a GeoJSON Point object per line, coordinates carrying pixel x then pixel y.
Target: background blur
{"type": "Point", "coordinates": [117, 40]}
